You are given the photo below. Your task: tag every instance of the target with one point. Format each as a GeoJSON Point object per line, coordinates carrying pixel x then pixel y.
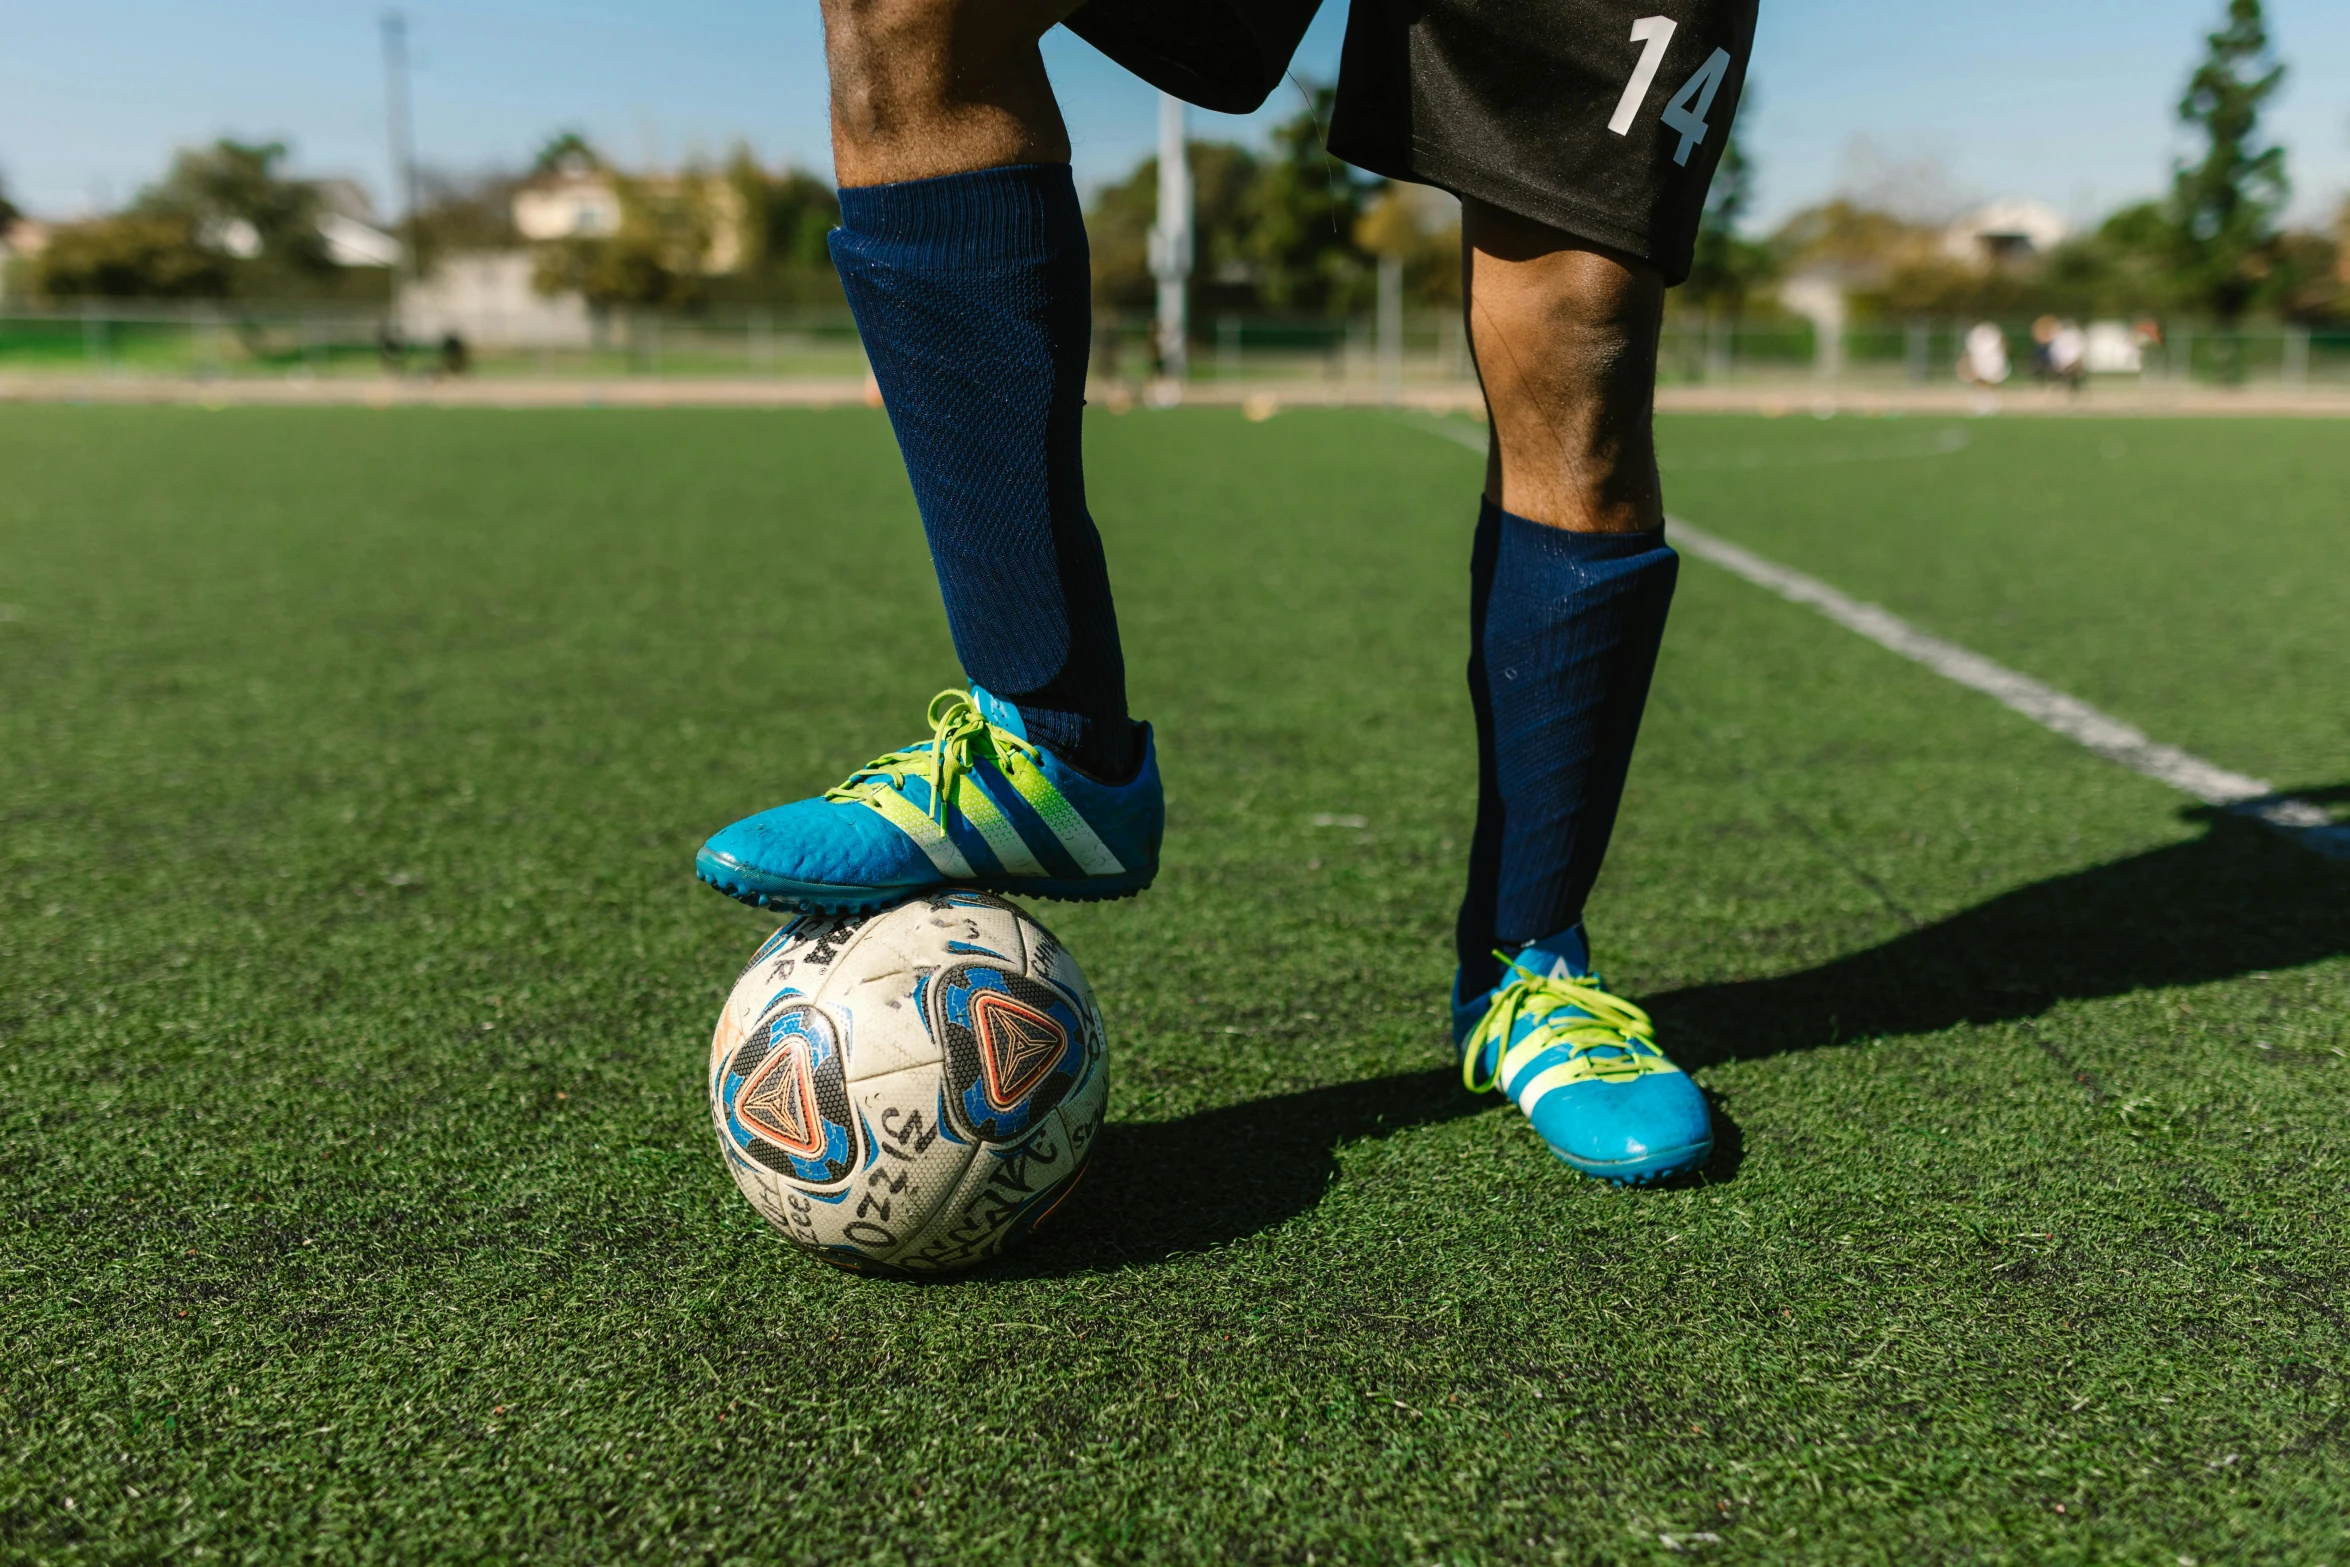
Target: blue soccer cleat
{"type": "Point", "coordinates": [978, 804]}
{"type": "Point", "coordinates": [1583, 1065]}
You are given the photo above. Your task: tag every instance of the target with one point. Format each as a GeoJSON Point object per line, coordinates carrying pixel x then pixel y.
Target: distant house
{"type": "Point", "coordinates": [346, 221]}
{"type": "Point", "coordinates": [568, 204]}
{"type": "Point", "coordinates": [2001, 233]}
{"type": "Point", "coordinates": [351, 243]}
{"type": "Point", "coordinates": [24, 239]}
{"type": "Point", "coordinates": [581, 201]}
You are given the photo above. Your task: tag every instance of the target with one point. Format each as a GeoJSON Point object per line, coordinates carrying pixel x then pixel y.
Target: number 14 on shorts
{"type": "Point", "coordinates": [1686, 110]}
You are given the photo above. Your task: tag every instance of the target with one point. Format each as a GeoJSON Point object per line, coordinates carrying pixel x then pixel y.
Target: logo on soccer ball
{"type": "Point", "coordinates": [1018, 1046]}
{"type": "Point", "coordinates": [784, 1096]}
{"type": "Point", "coordinates": [779, 1101]}
{"type": "Point", "coordinates": [1014, 1047]}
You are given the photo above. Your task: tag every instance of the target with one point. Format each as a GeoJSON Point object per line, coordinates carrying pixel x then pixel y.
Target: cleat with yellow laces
{"type": "Point", "coordinates": [978, 804]}
{"type": "Point", "coordinates": [1583, 1065]}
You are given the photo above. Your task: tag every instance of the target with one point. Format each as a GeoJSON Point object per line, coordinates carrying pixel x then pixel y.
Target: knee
{"type": "Point", "coordinates": [863, 37]}
{"type": "Point", "coordinates": [1581, 311]}
{"type": "Point", "coordinates": [874, 46]}
{"type": "Point", "coordinates": [887, 56]}
{"type": "Point", "coordinates": [1565, 334]}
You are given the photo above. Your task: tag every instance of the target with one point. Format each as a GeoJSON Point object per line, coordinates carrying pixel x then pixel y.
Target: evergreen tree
{"type": "Point", "coordinates": [2224, 207]}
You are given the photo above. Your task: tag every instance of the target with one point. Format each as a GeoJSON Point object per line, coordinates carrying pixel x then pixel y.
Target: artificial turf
{"type": "Point", "coordinates": [360, 1196]}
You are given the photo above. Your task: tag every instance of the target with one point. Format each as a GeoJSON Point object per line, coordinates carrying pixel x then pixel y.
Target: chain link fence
{"type": "Point", "coordinates": [1427, 349]}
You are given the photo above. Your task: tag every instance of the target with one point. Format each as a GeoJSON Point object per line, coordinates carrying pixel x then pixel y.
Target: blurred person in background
{"type": "Point", "coordinates": [2044, 331]}
{"type": "Point", "coordinates": [2068, 355]}
{"type": "Point", "coordinates": [1982, 356]}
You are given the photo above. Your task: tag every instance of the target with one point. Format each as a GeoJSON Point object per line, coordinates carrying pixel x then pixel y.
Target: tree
{"type": "Point", "coordinates": [224, 221]}
{"type": "Point", "coordinates": [1850, 239]}
{"type": "Point", "coordinates": [1300, 216]}
{"type": "Point", "coordinates": [2224, 207]}
{"type": "Point", "coordinates": [1727, 268]}
{"type": "Point", "coordinates": [1420, 227]}
{"type": "Point", "coordinates": [566, 152]}
{"type": "Point", "coordinates": [2306, 282]}
{"type": "Point", "coordinates": [2128, 265]}
{"type": "Point", "coordinates": [1282, 230]}
{"type": "Point", "coordinates": [783, 219]}
{"type": "Point", "coordinates": [785, 216]}
{"type": "Point", "coordinates": [733, 236]}
{"type": "Point", "coordinates": [654, 258]}
{"type": "Point", "coordinates": [1118, 231]}
{"type": "Point", "coordinates": [457, 214]}
{"type": "Point", "coordinates": [134, 255]}
{"type": "Point", "coordinates": [240, 203]}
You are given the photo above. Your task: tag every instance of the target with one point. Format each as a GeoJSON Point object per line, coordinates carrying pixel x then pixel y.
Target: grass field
{"type": "Point", "coordinates": [360, 1198]}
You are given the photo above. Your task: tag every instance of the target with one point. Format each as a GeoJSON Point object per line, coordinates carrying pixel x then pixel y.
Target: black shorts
{"type": "Point", "coordinates": [1603, 118]}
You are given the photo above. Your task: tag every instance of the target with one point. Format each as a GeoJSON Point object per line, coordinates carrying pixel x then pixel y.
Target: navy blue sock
{"type": "Point", "coordinates": [974, 297]}
{"type": "Point", "coordinates": [1564, 629]}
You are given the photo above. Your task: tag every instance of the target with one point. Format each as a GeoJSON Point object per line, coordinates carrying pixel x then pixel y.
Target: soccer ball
{"type": "Point", "coordinates": [910, 1091]}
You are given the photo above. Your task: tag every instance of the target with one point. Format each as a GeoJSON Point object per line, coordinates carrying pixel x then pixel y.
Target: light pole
{"type": "Point", "coordinates": [400, 125]}
{"type": "Point", "coordinates": [1171, 238]}
{"type": "Point", "coordinates": [1390, 327]}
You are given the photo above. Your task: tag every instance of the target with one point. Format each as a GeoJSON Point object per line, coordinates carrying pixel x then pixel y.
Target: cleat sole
{"type": "Point", "coordinates": [818, 898]}
{"type": "Point", "coordinates": [1654, 1172]}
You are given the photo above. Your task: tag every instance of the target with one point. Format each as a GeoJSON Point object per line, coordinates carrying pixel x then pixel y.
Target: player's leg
{"type": "Point", "coordinates": [923, 89]}
{"type": "Point", "coordinates": [962, 250]}
{"type": "Point", "coordinates": [1581, 139]}
{"type": "Point", "coordinates": [1570, 583]}
{"type": "Point", "coordinates": [1564, 334]}
{"type": "Point", "coordinates": [1570, 577]}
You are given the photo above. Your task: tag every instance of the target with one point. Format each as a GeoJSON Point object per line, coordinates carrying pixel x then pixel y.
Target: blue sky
{"type": "Point", "coordinates": [2065, 100]}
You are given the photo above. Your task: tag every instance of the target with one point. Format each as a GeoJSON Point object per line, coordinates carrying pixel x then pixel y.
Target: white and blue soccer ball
{"type": "Point", "coordinates": [909, 1091]}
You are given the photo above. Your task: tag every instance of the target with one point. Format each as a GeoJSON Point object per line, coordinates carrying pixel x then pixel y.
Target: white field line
{"type": "Point", "coordinates": [2304, 821]}
{"type": "Point", "coordinates": [2069, 716]}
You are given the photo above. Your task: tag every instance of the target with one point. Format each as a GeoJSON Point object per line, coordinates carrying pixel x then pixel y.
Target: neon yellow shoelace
{"type": "Point", "coordinates": [1609, 1023]}
{"type": "Point", "coordinates": [959, 736]}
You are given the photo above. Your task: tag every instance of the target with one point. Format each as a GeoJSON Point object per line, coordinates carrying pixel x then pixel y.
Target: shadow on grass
{"type": "Point", "coordinates": [1160, 1188]}
{"type": "Point", "coordinates": [2235, 901]}
{"type": "Point", "coordinates": [2238, 900]}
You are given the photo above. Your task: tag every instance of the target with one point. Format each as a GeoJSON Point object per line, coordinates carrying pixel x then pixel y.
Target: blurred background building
{"type": "Point", "coordinates": [233, 258]}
